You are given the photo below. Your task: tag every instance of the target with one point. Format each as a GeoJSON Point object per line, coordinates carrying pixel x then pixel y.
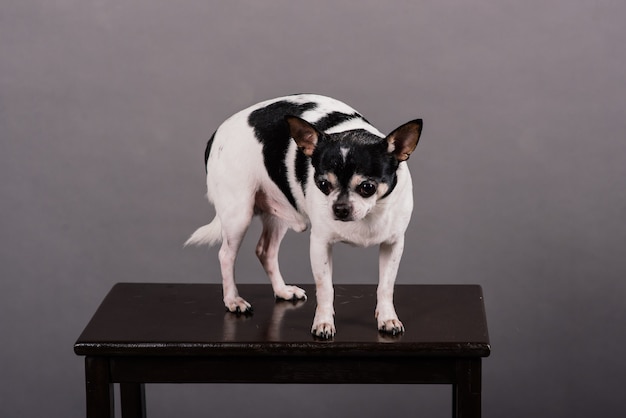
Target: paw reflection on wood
{"type": "Point", "coordinates": [264, 331]}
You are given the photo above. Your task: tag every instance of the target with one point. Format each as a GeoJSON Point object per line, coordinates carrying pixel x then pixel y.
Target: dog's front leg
{"type": "Point", "coordinates": [322, 267]}
{"type": "Point", "coordinates": [390, 255]}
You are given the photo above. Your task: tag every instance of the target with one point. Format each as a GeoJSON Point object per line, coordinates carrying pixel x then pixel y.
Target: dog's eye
{"type": "Point", "coordinates": [325, 186]}
{"type": "Point", "coordinates": [366, 189]}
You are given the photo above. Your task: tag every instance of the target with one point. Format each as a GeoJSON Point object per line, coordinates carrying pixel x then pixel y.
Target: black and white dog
{"type": "Point", "coordinates": [309, 160]}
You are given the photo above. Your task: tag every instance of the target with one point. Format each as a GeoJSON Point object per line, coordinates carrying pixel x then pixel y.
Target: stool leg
{"type": "Point", "coordinates": [466, 392]}
{"type": "Point", "coordinates": [133, 400]}
{"type": "Point", "coordinates": [99, 388]}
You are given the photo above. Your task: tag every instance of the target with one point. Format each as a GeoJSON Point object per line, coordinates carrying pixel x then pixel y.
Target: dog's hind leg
{"type": "Point", "coordinates": [274, 230]}
{"type": "Point", "coordinates": [234, 227]}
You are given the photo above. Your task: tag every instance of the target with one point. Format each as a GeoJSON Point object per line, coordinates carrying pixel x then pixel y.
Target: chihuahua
{"type": "Point", "coordinates": [309, 160]}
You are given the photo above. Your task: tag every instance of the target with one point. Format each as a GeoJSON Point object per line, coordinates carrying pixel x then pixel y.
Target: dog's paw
{"type": "Point", "coordinates": [390, 326]}
{"type": "Point", "coordinates": [290, 293]}
{"type": "Point", "coordinates": [323, 330]}
{"type": "Point", "coordinates": [324, 321]}
{"type": "Point", "coordinates": [238, 305]}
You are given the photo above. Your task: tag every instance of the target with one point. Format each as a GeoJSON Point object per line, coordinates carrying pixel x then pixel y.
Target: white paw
{"type": "Point", "coordinates": [290, 293]}
{"type": "Point", "coordinates": [388, 321]}
{"type": "Point", "coordinates": [391, 326]}
{"type": "Point", "coordinates": [324, 323]}
{"type": "Point", "coordinates": [238, 305]}
{"type": "Point", "coordinates": [324, 330]}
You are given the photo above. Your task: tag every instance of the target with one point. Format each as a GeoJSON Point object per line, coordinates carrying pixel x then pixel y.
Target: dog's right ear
{"type": "Point", "coordinates": [403, 140]}
{"type": "Point", "coordinates": [305, 134]}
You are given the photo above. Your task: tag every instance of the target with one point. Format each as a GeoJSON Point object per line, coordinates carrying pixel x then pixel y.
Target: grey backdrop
{"type": "Point", "coordinates": [105, 107]}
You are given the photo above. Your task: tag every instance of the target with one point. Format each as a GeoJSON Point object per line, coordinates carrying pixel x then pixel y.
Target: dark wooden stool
{"type": "Point", "coordinates": [180, 333]}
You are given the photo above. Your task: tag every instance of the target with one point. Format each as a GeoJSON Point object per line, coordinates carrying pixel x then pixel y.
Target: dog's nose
{"type": "Point", "coordinates": [342, 210]}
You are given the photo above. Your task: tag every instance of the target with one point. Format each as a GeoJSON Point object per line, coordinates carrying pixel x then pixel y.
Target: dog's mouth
{"type": "Point", "coordinates": [344, 219]}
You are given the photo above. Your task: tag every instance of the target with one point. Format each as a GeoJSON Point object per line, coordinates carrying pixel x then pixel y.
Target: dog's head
{"type": "Point", "coordinates": [356, 168]}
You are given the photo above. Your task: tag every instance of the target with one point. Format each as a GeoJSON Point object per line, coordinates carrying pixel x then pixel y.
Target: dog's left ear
{"type": "Point", "coordinates": [305, 134]}
{"type": "Point", "coordinates": [402, 141]}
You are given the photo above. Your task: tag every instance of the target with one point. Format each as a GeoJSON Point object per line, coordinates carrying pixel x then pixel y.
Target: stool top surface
{"type": "Point", "coordinates": [190, 319]}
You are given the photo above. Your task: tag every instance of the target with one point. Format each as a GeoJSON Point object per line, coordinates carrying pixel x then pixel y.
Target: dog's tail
{"type": "Point", "coordinates": [210, 234]}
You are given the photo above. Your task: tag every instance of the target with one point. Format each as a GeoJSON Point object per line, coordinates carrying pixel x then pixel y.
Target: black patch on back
{"type": "Point", "coordinates": [207, 151]}
{"type": "Point", "coordinates": [334, 119]}
{"type": "Point", "coordinates": [272, 132]}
